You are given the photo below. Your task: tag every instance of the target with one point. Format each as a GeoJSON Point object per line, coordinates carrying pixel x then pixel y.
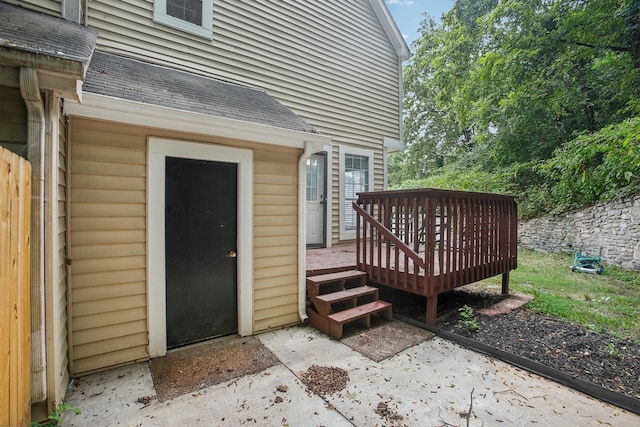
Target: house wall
{"type": "Point", "coordinates": [51, 7]}
{"type": "Point", "coordinates": [13, 121]}
{"type": "Point", "coordinates": [330, 62]}
{"type": "Point", "coordinates": [108, 240]}
{"type": "Point", "coordinates": [59, 295]}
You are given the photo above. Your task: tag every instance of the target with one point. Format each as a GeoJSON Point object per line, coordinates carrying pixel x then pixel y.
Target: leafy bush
{"type": "Point", "coordinates": [591, 168]}
{"type": "Point", "coordinates": [596, 167]}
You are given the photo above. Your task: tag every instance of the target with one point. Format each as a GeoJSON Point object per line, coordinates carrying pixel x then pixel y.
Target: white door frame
{"type": "Point", "coordinates": [159, 149]}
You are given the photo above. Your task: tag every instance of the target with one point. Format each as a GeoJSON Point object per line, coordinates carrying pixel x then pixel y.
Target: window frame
{"type": "Point", "coordinates": [345, 150]}
{"type": "Point", "coordinates": [205, 30]}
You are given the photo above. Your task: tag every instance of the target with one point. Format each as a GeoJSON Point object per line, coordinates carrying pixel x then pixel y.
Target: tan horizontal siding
{"type": "Point", "coordinates": [329, 61]}
{"type": "Point", "coordinates": [108, 229]}
{"type": "Point", "coordinates": [275, 302]}
{"type": "Point", "coordinates": [105, 347]}
{"type": "Point", "coordinates": [276, 220]}
{"type": "Point", "coordinates": [112, 251]}
{"type": "Point", "coordinates": [276, 261]}
{"type": "Point", "coordinates": [84, 308]}
{"type": "Point", "coordinates": [109, 332]}
{"type": "Point", "coordinates": [108, 209]}
{"type": "Point", "coordinates": [276, 290]}
{"type": "Point", "coordinates": [105, 357]}
{"type": "Point", "coordinates": [114, 318]}
{"type": "Point", "coordinates": [275, 238]}
{"type": "Point", "coordinates": [109, 264]}
{"type": "Point", "coordinates": [51, 7]}
{"type": "Point", "coordinates": [108, 243]}
{"type": "Point", "coordinates": [109, 291]}
{"type": "Point", "coordinates": [106, 236]}
{"type": "Point", "coordinates": [277, 322]}
{"type": "Point", "coordinates": [108, 278]}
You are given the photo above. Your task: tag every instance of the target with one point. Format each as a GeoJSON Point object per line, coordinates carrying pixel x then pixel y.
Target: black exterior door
{"type": "Point", "coordinates": [200, 230]}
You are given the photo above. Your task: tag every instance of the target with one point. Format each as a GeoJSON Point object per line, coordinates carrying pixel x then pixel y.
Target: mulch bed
{"type": "Point", "coordinates": [599, 358]}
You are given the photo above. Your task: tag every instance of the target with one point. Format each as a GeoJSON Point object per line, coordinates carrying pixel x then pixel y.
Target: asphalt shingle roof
{"type": "Point", "coordinates": [134, 80]}
{"type": "Point", "coordinates": [34, 32]}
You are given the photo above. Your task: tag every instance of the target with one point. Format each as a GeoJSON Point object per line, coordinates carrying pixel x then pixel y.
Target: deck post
{"type": "Point", "coordinates": [432, 309]}
{"type": "Point", "coordinates": [505, 283]}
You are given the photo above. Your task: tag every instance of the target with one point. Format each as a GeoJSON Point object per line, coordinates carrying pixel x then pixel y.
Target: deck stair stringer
{"type": "Point", "coordinates": [337, 299]}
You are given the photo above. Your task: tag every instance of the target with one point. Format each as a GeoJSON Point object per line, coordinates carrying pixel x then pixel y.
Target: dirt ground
{"type": "Point", "coordinates": [599, 358]}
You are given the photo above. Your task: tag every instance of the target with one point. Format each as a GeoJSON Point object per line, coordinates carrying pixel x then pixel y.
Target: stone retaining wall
{"type": "Point", "coordinates": [613, 227]}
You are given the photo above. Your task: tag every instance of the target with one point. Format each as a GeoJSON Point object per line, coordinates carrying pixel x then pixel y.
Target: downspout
{"type": "Point", "coordinates": [30, 90]}
{"type": "Point", "coordinates": [309, 149]}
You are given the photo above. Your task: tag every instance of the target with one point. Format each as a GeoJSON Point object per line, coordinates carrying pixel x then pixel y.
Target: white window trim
{"type": "Point", "coordinates": [206, 30]}
{"type": "Point", "coordinates": [351, 234]}
{"type": "Point", "coordinates": [159, 149]}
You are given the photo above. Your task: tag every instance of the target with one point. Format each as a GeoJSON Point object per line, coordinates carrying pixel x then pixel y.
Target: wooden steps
{"type": "Point", "coordinates": [341, 298]}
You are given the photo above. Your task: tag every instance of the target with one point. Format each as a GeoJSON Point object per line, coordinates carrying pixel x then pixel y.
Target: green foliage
{"type": "Point", "coordinates": [55, 417]}
{"type": "Point", "coordinates": [532, 98]}
{"type": "Point", "coordinates": [596, 167]}
{"type": "Point", "coordinates": [612, 350]}
{"type": "Point", "coordinates": [467, 318]}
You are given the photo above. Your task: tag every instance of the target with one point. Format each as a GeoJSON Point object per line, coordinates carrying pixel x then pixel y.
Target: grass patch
{"type": "Point", "coordinates": [608, 302]}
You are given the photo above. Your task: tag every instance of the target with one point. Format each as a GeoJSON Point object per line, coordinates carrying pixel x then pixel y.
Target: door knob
{"type": "Point", "coordinates": [232, 254]}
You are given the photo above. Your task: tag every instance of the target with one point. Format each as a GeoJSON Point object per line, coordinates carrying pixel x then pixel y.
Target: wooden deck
{"type": "Point", "coordinates": [326, 260]}
{"type": "Point", "coordinates": [427, 241]}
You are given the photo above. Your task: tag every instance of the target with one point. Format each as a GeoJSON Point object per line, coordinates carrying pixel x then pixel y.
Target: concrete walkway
{"type": "Point", "coordinates": [429, 384]}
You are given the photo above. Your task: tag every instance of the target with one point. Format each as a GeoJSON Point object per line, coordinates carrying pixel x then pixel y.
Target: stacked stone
{"type": "Point", "coordinates": [609, 229]}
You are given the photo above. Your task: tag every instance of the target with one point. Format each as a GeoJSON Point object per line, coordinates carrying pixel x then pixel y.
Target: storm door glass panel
{"type": "Point", "coordinates": [312, 180]}
{"type": "Point", "coordinates": [187, 10]}
{"type": "Point", "coordinates": [356, 180]}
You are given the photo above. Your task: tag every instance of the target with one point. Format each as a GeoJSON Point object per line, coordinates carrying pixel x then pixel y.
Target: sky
{"type": "Point", "coordinates": [409, 13]}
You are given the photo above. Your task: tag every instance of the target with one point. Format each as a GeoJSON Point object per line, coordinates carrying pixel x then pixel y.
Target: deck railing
{"type": "Point", "coordinates": [429, 241]}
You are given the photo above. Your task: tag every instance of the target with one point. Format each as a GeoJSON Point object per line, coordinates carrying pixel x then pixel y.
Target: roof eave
{"type": "Point", "coordinates": [22, 58]}
{"type": "Point", "coordinates": [137, 113]}
{"type": "Point", "coordinates": [390, 27]}
{"type": "Point", "coordinates": [61, 75]}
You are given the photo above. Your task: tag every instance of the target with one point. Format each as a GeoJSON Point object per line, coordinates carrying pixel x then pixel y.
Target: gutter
{"type": "Point", "coordinates": [30, 90]}
{"type": "Point", "coordinates": [309, 149]}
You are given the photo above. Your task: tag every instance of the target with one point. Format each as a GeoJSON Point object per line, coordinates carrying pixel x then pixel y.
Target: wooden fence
{"type": "Point", "coordinates": [15, 354]}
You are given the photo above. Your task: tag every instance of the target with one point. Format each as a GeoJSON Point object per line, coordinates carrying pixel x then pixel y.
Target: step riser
{"type": "Point", "coordinates": [343, 298]}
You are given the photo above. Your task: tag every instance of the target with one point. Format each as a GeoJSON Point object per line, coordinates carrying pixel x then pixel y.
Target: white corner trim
{"type": "Point", "coordinates": [159, 149]}
{"type": "Point", "coordinates": [137, 113]}
{"type": "Point", "coordinates": [391, 29]}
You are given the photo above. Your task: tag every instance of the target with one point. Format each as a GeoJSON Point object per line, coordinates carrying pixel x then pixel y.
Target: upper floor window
{"type": "Point", "coordinates": [192, 16]}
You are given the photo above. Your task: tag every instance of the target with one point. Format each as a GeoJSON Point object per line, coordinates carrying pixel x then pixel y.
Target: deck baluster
{"type": "Point", "coordinates": [435, 240]}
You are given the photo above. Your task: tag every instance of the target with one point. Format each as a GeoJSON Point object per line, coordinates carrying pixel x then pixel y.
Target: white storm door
{"type": "Point", "coordinates": [316, 199]}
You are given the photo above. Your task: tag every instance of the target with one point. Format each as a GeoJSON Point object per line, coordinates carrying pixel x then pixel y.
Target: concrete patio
{"type": "Point", "coordinates": [429, 384]}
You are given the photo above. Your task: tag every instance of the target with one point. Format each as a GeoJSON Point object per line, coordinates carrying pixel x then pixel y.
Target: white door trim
{"type": "Point", "coordinates": [159, 149]}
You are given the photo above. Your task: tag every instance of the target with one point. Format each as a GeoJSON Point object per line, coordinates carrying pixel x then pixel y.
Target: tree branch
{"type": "Point", "coordinates": [593, 46]}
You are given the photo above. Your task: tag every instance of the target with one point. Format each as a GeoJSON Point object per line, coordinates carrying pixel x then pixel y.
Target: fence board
{"type": "Point", "coordinates": [15, 204]}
